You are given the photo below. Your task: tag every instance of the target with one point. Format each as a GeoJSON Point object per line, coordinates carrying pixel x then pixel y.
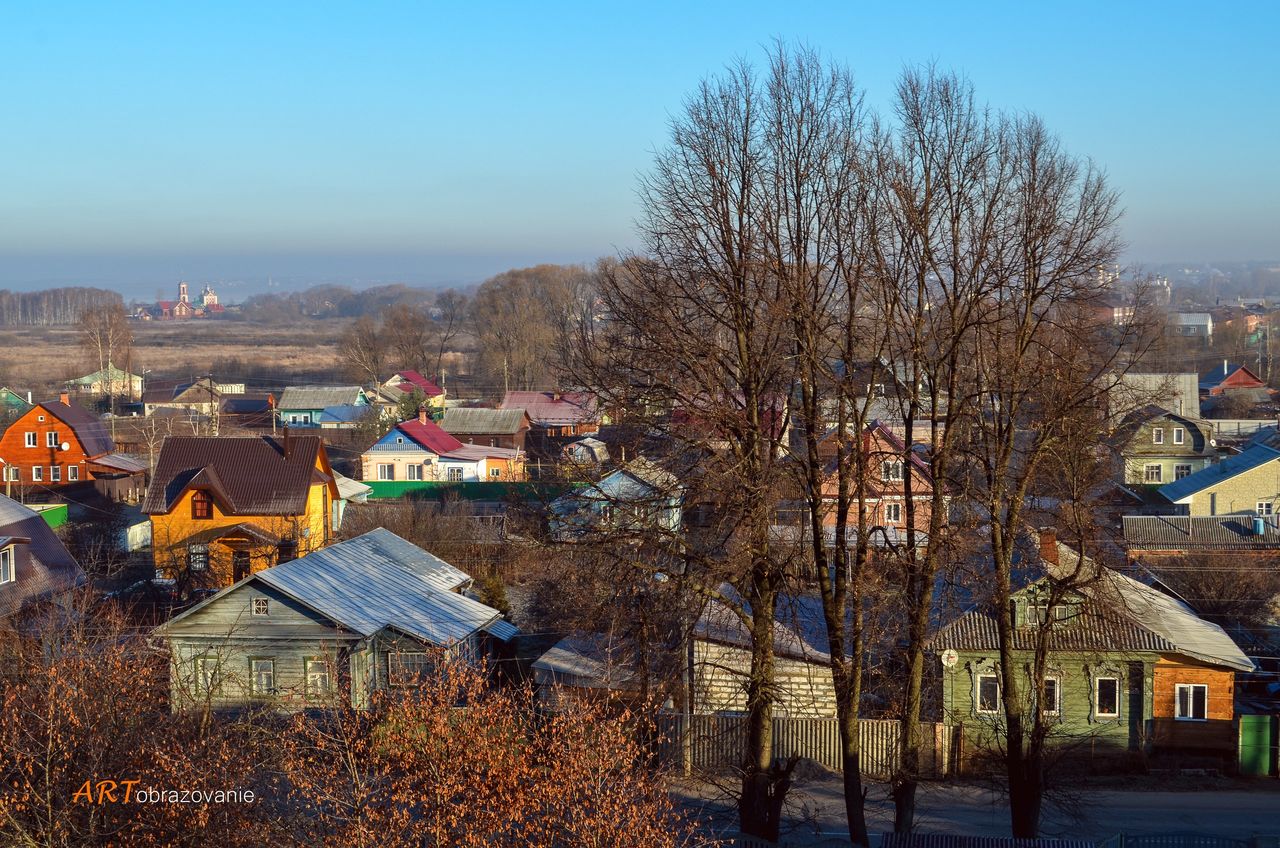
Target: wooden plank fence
{"type": "Point", "coordinates": [719, 742]}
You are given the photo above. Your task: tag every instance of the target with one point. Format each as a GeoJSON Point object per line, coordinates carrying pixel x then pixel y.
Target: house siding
{"type": "Point", "coordinates": [1217, 732]}
{"type": "Point", "coordinates": [720, 673]}
{"type": "Point", "coordinates": [17, 455]}
{"type": "Point", "coordinates": [1239, 494]}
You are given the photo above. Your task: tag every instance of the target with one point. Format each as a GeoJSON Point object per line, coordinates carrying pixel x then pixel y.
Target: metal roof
{"type": "Point", "coordinates": [121, 462]}
{"type": "Point", "coordinates": [1178, 393]}
{"type": "Point", "coordinates": [937, 840]}
{"type": "Point", "coordinates": [378, 581]}
{"type": "Point", "coordinates": [1179, 490]}
{"type": "Point", "coordinates": [49, 569]}
{"type": "Point", "coordinates": [1195, 532]}
{"type": "Point", "coordinates": [554, 408]}
{"type": "Point", "coordinates": [88, 429]}
{"type": "Point", "coordinates": [251, 473]}
{"type": "Point", "coordinates": [320, 397]}
{"type": "Point", "coordinates": [468, 421]}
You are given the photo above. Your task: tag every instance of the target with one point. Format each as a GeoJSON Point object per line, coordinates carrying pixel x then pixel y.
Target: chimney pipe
{"type": "Point", "coordinates": [65, 398]}
{"type": "Point", "coordinates": [422, 413]}
{"type": "Point", "coordinates": [288, 442]}
{"type": "Point", "coordinates": [1049, 545]}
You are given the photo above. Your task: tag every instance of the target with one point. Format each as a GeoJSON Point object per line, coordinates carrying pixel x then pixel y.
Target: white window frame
{"type": "Point", "coordinates": [1190, 689]}
{"type": "Point", "coordinates": [205, 675]}
{"type": "Point", "coordinates": [51, 439]}
{"type": "Point", "coordinates": [891, 471]}
{"type": "Point", "coordinates": [31, 439]}
{"type": "Point", "coordinates": [893, 513]}
{"type": "Point", "coordinates": [55, 473]}
{"type": "Point", "coordinates": [1265, 508]}
{"type": "Point", "coordinates": [1097, 697]}
{"type": "Point", "coordinates": [14, 472]}
{"type": "Point", "coordinates": [977, 701]}
{"type": "Point", "coordinates": [8, 570]}
{"type": "Point", "coordinates": [1147, 473]}
{"type": "Point", "coordinates": [386, 471]}
{"type": "Point", "coordinates": [1157, 435]}
{"type": "Point", "coordinates": [413, 471]}
{"type": "Point", "coordinates": [495, 472]}
{"type": "Point", "coordinates": [262, 669]}
{"type": "Point", "coordinates": [455, 474]}
{"type": "Point", "coordinates": [1179, 436]}
{"type": "Point", "coordinates": [37, 473]}
{"type": "Point", "coordinates": [1054, 704]}
{"type": "Point", "coordinates": [313, 677]}
{"type": "Point", "coordinates": [200, 562]}
{"type": "Point", "coordinates": [261, 607]}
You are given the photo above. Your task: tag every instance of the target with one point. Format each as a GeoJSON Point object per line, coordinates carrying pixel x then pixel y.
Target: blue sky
{"type": "Point", "coordinates": [442, 143]}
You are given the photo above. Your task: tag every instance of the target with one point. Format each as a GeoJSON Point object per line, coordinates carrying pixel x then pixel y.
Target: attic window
{"type": "Point", "coordinates": [1157, 436]}
{"type": "Point", "coordinates": [201, 505]}
{"type": "Point", "coordinates": [399, 440]}
{"type": "Point", "coordinates": [261, 606]}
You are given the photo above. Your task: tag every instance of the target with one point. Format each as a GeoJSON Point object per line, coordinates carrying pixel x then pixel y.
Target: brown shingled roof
{"type": "Point", "coordinates": [248, 475]}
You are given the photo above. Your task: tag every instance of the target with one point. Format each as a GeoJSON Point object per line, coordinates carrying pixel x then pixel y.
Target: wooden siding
{"type": "Point", "coordinates": [234, 674]}
{"type": "Point", "coordinates": [13, 447]}
{"type": "Point", "coordinates": [231, 617]}
{"type": "Point", "coordinates": [720, 682]}
{"type": "Point", "coordinates": [1217, 732]}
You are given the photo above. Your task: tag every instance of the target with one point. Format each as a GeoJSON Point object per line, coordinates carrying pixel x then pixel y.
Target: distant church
{"type": "Point", "coordinates": [184, 308]}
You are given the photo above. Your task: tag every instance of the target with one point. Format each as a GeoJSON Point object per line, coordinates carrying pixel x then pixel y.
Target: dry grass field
{"type": "Point", "coordinates": [39, 359]}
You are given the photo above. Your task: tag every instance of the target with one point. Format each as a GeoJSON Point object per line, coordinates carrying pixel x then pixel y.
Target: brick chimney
{"type": "Point", "coordinates": [422, 413]}
{"type": "Point", "coordinates": [1049, 545]}
{"type": "Point", "coordinates": [63, 397]}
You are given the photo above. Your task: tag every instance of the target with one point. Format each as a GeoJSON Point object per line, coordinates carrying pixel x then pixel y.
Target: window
{"type": "Point", "coordinates": [317, 678]}
{"type": "Point", "coordinates": [239, 565]}
{"type": "Point", "coordinates": [201, 505]}
{"type": "Point", "coordinates": [386, 471]}
{"type": "Point", "coordinates": [891, 470]}
{"type": "Point", "coordinates": [51, 439]}
{"type": "Point", "coordinates": [55, 473]}
{"type": "Point", "coordinates": [261, 606]}
{"type": "Point", "coordinates": [406, 668]}
{"type": "Point", "coordinates": [15, 473]}
{"type": "Point", "coordinates": [287, 551]}
{"type": "Point", "coordinates": [30, 439]}
{"type": "Point", "coordinates": [206, 675]}
{"type": "Point", "coordinates": [1193, 702]}
{"type": "Point", "coordinates": [1180, 471]}
{"type": "Point", "coordinates": [1179, 436]}
{"type": "Point", "coordinates": [37, 473]}
{"type": "Point", "coordinates": [1152, 474]}
{"type": "Point", "coordinates": [455, 475]}
{"type": "Point", "coordinates": [1265, 507]}
{"type": "Point", "coordinates": [988, 693]}
{"type": "Point", "coordinates": [262, 676]}
{"type": "Point", "coordinates": [495, 472]}
{"type": "Point", "coordinates": [413, 471]}
{"type": "Point", "coordinates": [892, 513]}
{"type": "Point", "coordinates": [1052, 704]}
{"type": "Point", "coordinates": [197, 557]}
{"type": "Point", "coordinates": [73, 472]}
{"type": "Point", "coordinates": [1157, 435]}
{"type": "Point", "coordinates": [7, 574]}
{"type": "Point", "coordinates": [1108, 689]}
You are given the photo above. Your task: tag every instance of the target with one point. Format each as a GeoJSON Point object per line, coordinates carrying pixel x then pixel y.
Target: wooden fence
{"type": "Point", "coordinates": [719, 742]}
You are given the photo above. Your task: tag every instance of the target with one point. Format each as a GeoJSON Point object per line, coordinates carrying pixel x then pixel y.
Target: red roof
{"type": "Point", "coordinates": [430, 436]}
{"type": "Point", "coordinates": [414, 380]}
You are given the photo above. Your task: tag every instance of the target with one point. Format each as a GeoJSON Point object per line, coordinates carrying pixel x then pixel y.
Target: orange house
{"type": "Point", "coordinates": [58, 443]}
{"type": "Point", "coordinates": [224, 508]}
{"type": "Point", "coordinates": [887, 474]}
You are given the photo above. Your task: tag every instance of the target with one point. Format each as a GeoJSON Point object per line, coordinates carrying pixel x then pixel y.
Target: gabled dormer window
{"type": "Point", "coordinates": [201, 505]}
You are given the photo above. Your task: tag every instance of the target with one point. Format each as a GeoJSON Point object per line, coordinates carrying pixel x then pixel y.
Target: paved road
{"type": "Point", "coordinates": [948, 808]}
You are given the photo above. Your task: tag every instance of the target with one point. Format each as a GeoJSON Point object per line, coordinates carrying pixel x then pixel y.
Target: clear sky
{"type": "Point", "coordinates": [437, 142]}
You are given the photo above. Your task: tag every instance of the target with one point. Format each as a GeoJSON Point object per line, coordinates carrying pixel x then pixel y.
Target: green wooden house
{"type": "Point", "coordinates": [1130, 668]}
{"type": "Point", "coordinates": [12, 405]}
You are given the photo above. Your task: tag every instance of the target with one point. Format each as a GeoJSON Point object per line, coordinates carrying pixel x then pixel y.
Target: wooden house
{"type": "Point", "coordinates": [368, 614]}
{"type": "Point", "coordinates": [222, 508]}
{"type": "Point", "coordinates": [1157, 446]}
{"type": "Point", "coordinates": [419, 450]}
{"type": "Point", "coordinates": [35, 567]}
{"type": "Point", "coordinates": [110, 380]}
{"type": "Point", "coordinates": [313, 406]}
{"type": "Point", "coordinates": [1245, 484]}
{"type": "Point", "coordinates": [557, 413]}
{"type": "Point", "coordinates": [60, 443]}
{"type": "Point", "coordinates": [1229, 377]}
{"type": "Point", "coordinates": [404, 384]}
{"type": "Point", "coordinates": [1129, 667]}
{"type": "Point", "coordinates": [640, 498]}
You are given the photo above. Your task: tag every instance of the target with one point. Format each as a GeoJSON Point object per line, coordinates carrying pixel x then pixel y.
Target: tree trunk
{"type": "Point", "coordinates": [764, 783]}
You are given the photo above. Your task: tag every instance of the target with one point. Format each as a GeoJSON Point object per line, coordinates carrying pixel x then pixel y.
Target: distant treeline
{"type": "Point", "coordinates": [52, 306]}
{"type": "Point", "coordinates": [333, 302]}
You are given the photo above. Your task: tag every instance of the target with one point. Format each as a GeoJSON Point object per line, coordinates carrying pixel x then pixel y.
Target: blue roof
{"type": "Point", "coordinates": [345, 414]}
{"type": "Point", "coordinates": [1250, 459]}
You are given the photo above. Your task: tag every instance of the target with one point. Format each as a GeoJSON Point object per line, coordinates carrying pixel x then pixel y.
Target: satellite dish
{"type": "Point", "coordinates": [950, 657]}
{"type": "Point", "coordinates": [64, 446]}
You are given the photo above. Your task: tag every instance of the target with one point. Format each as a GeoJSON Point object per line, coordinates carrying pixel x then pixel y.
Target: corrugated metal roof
{"type": "Point", "coordinates": [467, 421]}
{"type": "Point", "coordinates": [554, 408]}
{"type": "Point", "coordinates": [88, 429]}
{"type": "Point", "coordinates": [320, 397]}
{"type": "Point", "coordinates": [1197, 532]}
{"type": "Point", "coordinates": [1254, 457]}
{"type": "Point", "coordinates": [121, 462]}
{"type": "Point", "coordinates": [1178, 393]}
{"type": "Point", "coordinates": [411, 380]}
{"type": "Point", "coordinates": [428, 435]}
{"type": "Point", "coordinates": [251, 472]}
{"type": "Point", "coordinates": [1087, 633]}
{"type": "Point", "coordinates": [379, 580]}
{"type": "Point", "coordinates": [935, 840]}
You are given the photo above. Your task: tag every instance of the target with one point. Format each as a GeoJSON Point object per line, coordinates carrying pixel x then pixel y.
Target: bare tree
{"type": "Point", "coordinates": [364, 348]}
{"type": "Point", "coordinates": [106, 336]}
{"type": "Point", "coordinates": [405, 328]}
{"type": "Point", "coordinates": [452, 307]}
